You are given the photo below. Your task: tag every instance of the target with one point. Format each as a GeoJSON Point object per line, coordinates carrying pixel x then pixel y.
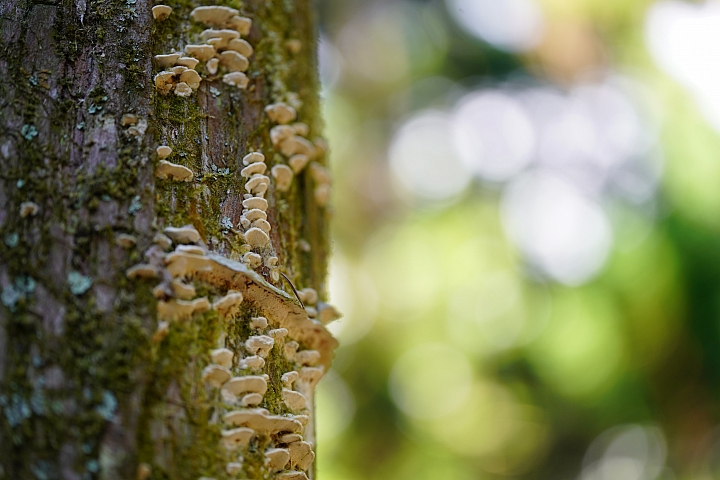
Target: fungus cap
{"type": "Point", "coordinates": [237, 386]}
{"type": "Point", "coordinates": [165, 61]}
{"type": "Point", "coordinates": [253, 157]}
{"type": "Point", "coordinates": [283, 177]}
{"type": "Point", "coordinates": [212, 66]}
{"type": "Point", "coordinates": [216, 375]}
{"type": "Point", "coordinates": [295, 401]}
{"type": "Point", "coordinates": [296, 144]}
{"type": "Point", "coordinates": [327, 313]}
{"type": "Point", "coordinates": [215, 15]}
{"type": "Point", "coordinates": [128, 119]}
{"type": "Point", "coordinates": [258, 323]}
{"type": "Point", "coordinates": [163, 151]}
{"type": "Point", "coordinates": [253, 260]}
{"type": "Point", "coordinates": [201, 52]}
{"type": "Point", "coordinates": [241, 24]}
{"type": "Point", "coordinates": [276, 458]}
{"type": "Point", "coordinates": [125, 240]}
{"type": "Point", "coordinates": [253, 362]}
{"type": "Point", "coordinates": [255, 214]}
{"type": "Point", "coordinates": [142, 270]}
{"type": "Point", "coordinates": [255, 203]}
{"type": "Point", "coordinates": [222, 357]}
{"type": "Point", "coordinates": [281, 113]}
{"type": "Point", "coordinates": [233, 61]}
{"type": "Point", "coordinates": [224, 34]}
{"type": "Point", "coordinates": [311, 375]}
{"type": "Point", "coordinates": [301, 455]}
{"type": "Point", "coordinates": [29, 209]}
{"type": "Point", "coordinates": [308, 296]}
{"type": "Point", "coordinates": [307, 357]}
{"type": "Point", "coordinates": [263, 225]}
{"type": "Point", "coordinates": [188, 62]}
{"type": "Point", "coordinates": [298, 161]}
{"type": "Point", "coordinates": [256, 237]}
{"type": "Point", "coordinates": [182, 89]}
{"type": "Point", "coordinates": [182, 234]}
{"type": "Point", "coordinates": [291, 475]}
{"type": "Point", "coordinates": [161, 12]}
{"type": "Point", "coordinates": [241, 46]}
{"type": "Point", "coordinates": [252, 169]}
{"type": "Point", "coordinates": [183, 290]}
{"type": "Point", "coordinates": [290, 438]}
{"type": "Point", "coordinates": [259, 345]}
{"type": "Point", "coordinates": [237, 438]}
{"type": "Point", "coordinates": [278, 133]}
{"type": "Point", "coordinates": [237, 79]}
{"type": "Point", "coordinates": [173, 171]}
{"type": "Point", "coordinates": [288, 378]}
{"type": "Point", "coordinates": [251, 400]}
{"type": "Point", "coordinates": [301, 129]}
{"type": "Point", "coordinates": [191, 77]}
{"type": "Point", "coordinates": [322, 194]}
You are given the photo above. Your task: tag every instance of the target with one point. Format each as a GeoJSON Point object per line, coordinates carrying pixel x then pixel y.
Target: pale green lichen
{"type": "Point", "coordinates": [79, 283]}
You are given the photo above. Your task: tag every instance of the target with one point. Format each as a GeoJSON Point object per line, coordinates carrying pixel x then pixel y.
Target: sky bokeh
{"type": "Point", "coordinates": [526, 210]}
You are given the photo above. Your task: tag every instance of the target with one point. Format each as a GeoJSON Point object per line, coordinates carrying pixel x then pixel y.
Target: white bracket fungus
{"type": "Point", "coordinates": [241, 46]}
{"type": "Point", "coordinates": [226, 304]}
{"type": "Point", "coordinates": [125, 240]}
{"type": "Point", "coordinates": [279, 133]}
{"type": "Point", "coordinates": [222, 34]}
{"type": "Point", "coordinates": [253, 363]}
{"type": "Point", "coordinates": [308, 296]}
{"type": "Point", "coordinates": [182, 234]}
{"type": "Point", "coordinates": [222, 357]}
{"type": "Point", "coordinates": [281, 113]}
{"type": "Point", "coordinates": [295, 401]}
{"type": "Point", "coordinates": [166, 61]}
{"type": "Point", "coordinates": [301, 129]}
{"type": "Point", "coordinates": [260, 420]}
{"type": "Point", "coordinates": [216, 375]}
{"type": "Point", "coordinates": [181, 309]}
{"type": "Point", "coordinates": [311, 311]}
{"type": "Point", "coordinates": [162, 240]}
{"type": "Point", "coordinates": [307, 357]}
{"type": "Point", "coordinates": [252, 169]}
{"type": "Point", "coordinates": [252, 259]}
{"type": "Point", "coordinates": [283, 176]}
{"type": "Point", "coordinates": [253, 157]}
{"type": "Point", "coordinates": [290, 438]}
{"type": "Point", "coordinates": [276, 458]}
{"type": "Point", "coordinates": [163, 151]}
{"type": "Point", "coordinates": [182, 89]}
{"type": "Point", "coordinates": [191, 249]}
{"type": "Point", "coordinates": [237, 438]}
{"type": "Point", "coordinates": [256, 237]}
{"type": "Point", "coordinates": [255, 203]}
{"type": "Point", "coordinates": [298, 162]}
{"type": "Point", "coordinates": [258, 323]}
{"type": "Point", "coordinates": [201, 52]}
{"type": "Point", "coordinates": [296, 144]}
{"type": "Point", "coordinates": [188, 62]}
{"type": "Point", "coordinates": [255, 214]}
{"type": "Point", "coordinates": [262, 225]}
{"type": "Point", "coordinates": [236, 79]}
{"type": "Point", "coordinates": [301, 455]}
{"type": "Point", "coordinates": [327, 313]}
{"type": "Point", "coordinates": [238, 386]}
{"type": "Point", "coordinates": [29, 209]}
{"type": "Point", "coordinates": [259, 345]}
{"type": "Point", "coordinates": [212, 66]}
{"type": "Point", "coordinates": [232, 61]}
{"type": "Point", "coordinates": [173, 171]}
{"type": "Point", "coordinates": [311, 375]}
{"type": "Point", "coordinates": [161, 12]}
{"type": "Point", "coordinates": [251, 400]}
{"type": "Point", "coordinates": [142, 270]}
{"type": "Point", "coordinates": [322, 194]}
{"type": "Point", "coordinates": [257, 184]}
{"type": "Point", "coordinates": [288, 378]}
{"type": "Point", "coordinates": [128, 119]}
{"type": "Point", "coordinates": [191, 78]}
{"type": "Point", "coordinates": [183, 290]}
{"type": "Point", "coordinates": [278, 333]}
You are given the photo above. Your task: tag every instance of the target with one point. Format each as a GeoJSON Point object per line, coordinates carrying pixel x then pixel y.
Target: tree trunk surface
{"type": "Point", "coordinates": [145, 328]}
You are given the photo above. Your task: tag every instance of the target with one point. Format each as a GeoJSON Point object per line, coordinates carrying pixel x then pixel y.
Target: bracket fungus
{"type": "Point", "coordinates": [125, 240]}
{"type": "Point", "coordinates": [182, 89]}
{"type": "Point", "coordinates": [237, 386]}
{"type": "Point", "coordinates": [166, 61]}
{"type": "Point", "coordinates": [322, 194]}
{"type": "Point", "coordinates": [181, 309]}
{"type": "Point", "coordinates": [290, 349]}
{"type": "Point", "coordinates": [216, 375]}
{"type": "Point", "coordinates": [298, 162]}
{"type": "Point", "coordinates": [163, 151]}
{"type": "Point", "coordinates": [308, 296]}
{"type": "Point", "coordinates": [260, 345]}
{"type": "Point", "coordinates": [288, 378]}
{"type": "Point", "coordinates": [201, 52]}
{"type": "Point", "coordinates": [212, 66]}
{"type": "Point", "coordinates": [241, 46]}
{"type": "Point", "coordinates": [256, 237]}
{"type": "Point", "coordinates": [290, 438]}
{"type": "Point", "coordinates": [253, 362]}
{"type": "Point", "coordinates": [327, 313]}
{"type": "Point", "coordinates": [307, 357]}
{"type": "Point", "coordinates": [258, 323]}
{"type": "Point", "coordinates": [227, 303]}
{"type": "Point", "coordinates": [263, 225]}
{"type": "Point", "coordinates": [260, 420]}
{"type": "Point", "coordinates": [191, 78]}
{"type": "Point", "coordinates": [161, 12]}
{"type": "Point", "coordinates": [252, 169]}
{"type": "Point", "coordinates": [142, 270]}
{"type": "Point", "coordinates": [255, 203]}
{"type": "Point", "coordinates": [311, 375]}
{"type": "Point", "coordinates": [222, 357]}
{"type": "Point", "coordinates": [276, 458]}
{"type": "Point", "coordinates": [182, 234]}
{"type": "Point", "coordinates": [252, 260]}
{"type": "Point", "coordinates": [281, 113]}
{"type": "Point", "coordinates": [279, 133]}
{"type": "Point", "coordinates": [291, 475]}
{"type": "Point", "coordinates": [232, 61]}
{"type": "Point", "coordinates": [301, 455]}
{"type": "Point", "coordinates": [237, 438]}
{"type": "Point", "coordinates": [295, 401]}
{"type": "Point", "coordinates": [296, 144]}
{"type": "Point", "coordinates": [183, 290]}
{"type": "Point", "coordinates": [253, 157]}
{"type": "Point", "coordinates": [256, 183]}
{"type": "Point", "coordinates": [173, 171]}
{"type": "Point", "coordinates": [236, 79]}
{"type": "Point", "coordinates": [255, 214]}
{"type": "Point", "coordinates": [283, 176]}
{"type": "Point", "coordinates": [188, 62]}
{"type": "Point", "coordinates": [251, 400]}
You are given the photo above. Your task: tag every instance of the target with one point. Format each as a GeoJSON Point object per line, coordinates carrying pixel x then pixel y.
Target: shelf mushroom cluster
{"type": "Point", "coordinates": [237, 372]}
{"type": "Point", "coordinates": [222, 49]}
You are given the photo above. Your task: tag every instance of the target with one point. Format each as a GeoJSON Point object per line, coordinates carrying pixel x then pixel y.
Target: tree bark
{"type": "Point", "coordinates": [111, 337]}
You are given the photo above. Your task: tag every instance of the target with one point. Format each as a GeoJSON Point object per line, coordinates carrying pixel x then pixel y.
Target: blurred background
{"type": "Point", "coordinates": [526, 239]}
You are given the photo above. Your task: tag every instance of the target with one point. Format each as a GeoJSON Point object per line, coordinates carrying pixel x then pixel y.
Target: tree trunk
{"type": "Point", "coordinates": [135, 282]}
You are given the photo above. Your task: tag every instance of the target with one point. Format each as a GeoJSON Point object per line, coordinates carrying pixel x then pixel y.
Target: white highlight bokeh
{"type": "Point", "coordinates": [560, 230]}
{"type": "Point", "coordinates": [511, 25]}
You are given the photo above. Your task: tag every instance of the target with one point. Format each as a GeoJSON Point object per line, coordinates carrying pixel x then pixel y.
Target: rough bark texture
{"type": "Point", "coordinates": [87, 387]}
